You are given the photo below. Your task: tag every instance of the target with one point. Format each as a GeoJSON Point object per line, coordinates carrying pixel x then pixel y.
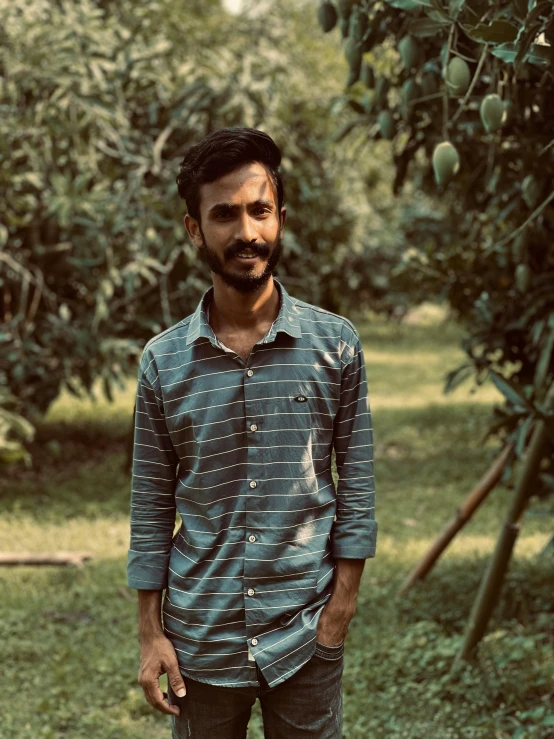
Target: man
{"type": "Point", "coordinates": [239, 408]}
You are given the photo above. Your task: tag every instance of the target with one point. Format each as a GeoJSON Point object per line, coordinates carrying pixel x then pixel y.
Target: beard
{"type": "Point", "coordinates": [243, 280]}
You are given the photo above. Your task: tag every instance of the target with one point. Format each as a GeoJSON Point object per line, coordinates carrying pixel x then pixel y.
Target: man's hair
{"type": "Point", "coordinates": [220, 153]}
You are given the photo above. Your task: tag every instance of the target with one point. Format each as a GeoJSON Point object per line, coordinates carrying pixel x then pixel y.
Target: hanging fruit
{"type": "Point", "coordinates": [353, 54]}
{"type": "Point", "coordinates": [327, 16]}
{"type": "Point", "coordinates": [411, 91]}
{"type": "Point", "coordinates": [457, 76]}
{"type": "Point", "coordinates": [523, 277]}
{"type": "Point", "coordinates": [386, 124]}
{"type": "Point", "coordinates": [408, 48]}
{"type": "Point", "coordinates": [508, 112]}
{"type": "Point", "coordinates": [519, 247]}
{"type": "Point", "coordinates": [446, 162]}
{"type": "Point", "coordinates": [345, 7]}
{"type": "Point", "coordinates": [367, 75]}
{"type": "Point", "coordinates": [492, 112]}
{"type": "Point", "coordinates": [382, 86]}
{"type": "Point", "coordinates": [429, 83]}
{"type": "Point", "coordinates": [531, 190]}
{"type": "Point", "coordinates": [358, 24]}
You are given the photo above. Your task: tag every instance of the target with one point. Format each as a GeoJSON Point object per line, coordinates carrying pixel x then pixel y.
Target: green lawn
{"type": "Point", "coordinates": [68, 641]}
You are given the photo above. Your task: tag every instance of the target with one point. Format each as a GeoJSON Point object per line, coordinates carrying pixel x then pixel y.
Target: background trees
{"type": "Point", "coordinates": [94, 258]}
{"type": "Point", "coordinates": [419, 73]}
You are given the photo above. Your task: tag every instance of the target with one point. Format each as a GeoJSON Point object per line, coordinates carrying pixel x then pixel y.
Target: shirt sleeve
{"type": "Point", "coordinates": [354, 532]}
{"type": "Point", "coordinates": [154, 474]}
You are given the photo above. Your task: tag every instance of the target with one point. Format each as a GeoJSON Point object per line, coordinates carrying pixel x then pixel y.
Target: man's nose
{"type": "Point", "coordinates": [245, 229]}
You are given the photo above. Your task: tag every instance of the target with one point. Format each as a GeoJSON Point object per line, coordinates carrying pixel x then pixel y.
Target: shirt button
{"type": "Point", "coordinates": [250, 373]}
{"type": "Point", "coordinates": [253, 483]}
{"type": "Point", "coordinates": [253, 427]}
{"type": "Point", "coordinates": [251, 591]}
{"type": "Point", "coordinates": [252, 538]}
{"type": "Point", "coordinates": [254, 641]}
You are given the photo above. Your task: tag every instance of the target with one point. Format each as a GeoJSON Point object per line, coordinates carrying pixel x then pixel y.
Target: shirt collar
{"type": "Point", "coordinates": [287, 319]}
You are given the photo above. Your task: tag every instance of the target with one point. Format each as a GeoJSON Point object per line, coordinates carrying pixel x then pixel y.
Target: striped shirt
{"type": "Point", "coordinates": [243, 452]}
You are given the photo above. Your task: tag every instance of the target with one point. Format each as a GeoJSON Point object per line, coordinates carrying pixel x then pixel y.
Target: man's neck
{"type": "Point", "coordinates": [234, 311]}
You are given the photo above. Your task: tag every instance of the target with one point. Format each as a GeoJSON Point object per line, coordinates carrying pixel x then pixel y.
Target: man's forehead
{"type": "Point", "coordinates": [252, 177]}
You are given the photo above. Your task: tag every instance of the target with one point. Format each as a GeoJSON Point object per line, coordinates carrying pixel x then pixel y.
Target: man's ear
{"type": "Point", "coordinates": [193, 230]}
{"type": "Point", "coordinates": [283, 218]}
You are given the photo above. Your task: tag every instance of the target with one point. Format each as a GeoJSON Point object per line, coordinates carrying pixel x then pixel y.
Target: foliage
{"type": "Point", "coordinates": [12, 424]}
{"type": "Point", "coordinates": [486, 245]}
{"type": "Point", "coordinates": [94, 258]}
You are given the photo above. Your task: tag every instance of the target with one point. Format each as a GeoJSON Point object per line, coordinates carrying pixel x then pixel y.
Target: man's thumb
{"type": "Point", "coordinates": [176, 681]}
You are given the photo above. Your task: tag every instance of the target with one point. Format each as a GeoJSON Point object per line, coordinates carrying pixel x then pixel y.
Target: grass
{"type": "Point", "coordinates": [68, 640]}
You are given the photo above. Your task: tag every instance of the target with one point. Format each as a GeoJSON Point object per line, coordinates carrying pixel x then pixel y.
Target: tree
{"type": "Point", "coordinates": [464, 91]}
{"type": "Point", "coordinates": [94, 258]}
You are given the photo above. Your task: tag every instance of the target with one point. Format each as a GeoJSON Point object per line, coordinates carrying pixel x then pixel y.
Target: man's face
{"type": "Point", "coordinates": [239, 216]}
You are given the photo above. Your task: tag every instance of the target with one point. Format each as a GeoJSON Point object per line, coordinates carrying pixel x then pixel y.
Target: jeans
{"type": "Point", "coordinates": [308, 704]}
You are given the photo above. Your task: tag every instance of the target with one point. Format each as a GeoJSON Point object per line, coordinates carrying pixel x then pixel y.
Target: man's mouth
{"type": "Point", "coordinates": [246, 255]}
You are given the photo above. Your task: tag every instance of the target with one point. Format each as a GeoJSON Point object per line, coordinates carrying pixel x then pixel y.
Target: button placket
{"type": "Point", "coordinates": [253, 423]}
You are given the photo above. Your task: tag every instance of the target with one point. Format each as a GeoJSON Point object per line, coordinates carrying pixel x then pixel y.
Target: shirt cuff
{"type": "Point", "coordinates": [354, 539]}
{"type": "Point", "coordinates": [147, 571]}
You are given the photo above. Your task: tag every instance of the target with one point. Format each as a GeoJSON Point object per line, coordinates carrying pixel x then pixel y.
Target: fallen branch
{"type": "Point", "coordinates": [75, 559]}
{"type": "Point", "coordinates": [489, 480]}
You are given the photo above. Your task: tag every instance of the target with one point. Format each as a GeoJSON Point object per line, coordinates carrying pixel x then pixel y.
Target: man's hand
{"type": "Point", "coordinates": [340, 608]}
{"type": "Point", "coordinates": [333, 623]}
{"type": "Point", "coordinates": [157, 654]}
{"type": "Point", "coordinates": [157, 657]}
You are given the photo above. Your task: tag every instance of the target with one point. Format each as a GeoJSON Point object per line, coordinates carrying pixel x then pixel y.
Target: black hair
{"type": "Point", "coordinates": [221, 152]}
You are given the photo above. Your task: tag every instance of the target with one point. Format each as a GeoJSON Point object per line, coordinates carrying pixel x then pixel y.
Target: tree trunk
{"type": "Point", "coordinates": [491, 583]}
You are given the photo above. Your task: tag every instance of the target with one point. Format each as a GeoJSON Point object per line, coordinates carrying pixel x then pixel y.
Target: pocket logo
{"type": "Point", "coordinates": [301, 398]}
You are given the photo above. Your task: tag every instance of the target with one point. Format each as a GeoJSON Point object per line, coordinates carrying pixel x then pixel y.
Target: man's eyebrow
{"type": "Point", "coordinates": [232, 208]}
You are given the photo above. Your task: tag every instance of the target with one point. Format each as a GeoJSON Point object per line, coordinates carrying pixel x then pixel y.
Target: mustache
{"type": "Point", "coordinates": [259, 249]}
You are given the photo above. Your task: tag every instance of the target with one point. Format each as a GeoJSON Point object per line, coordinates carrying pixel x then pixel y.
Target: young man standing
{"type": "Point", "coordinates": [239, 408]}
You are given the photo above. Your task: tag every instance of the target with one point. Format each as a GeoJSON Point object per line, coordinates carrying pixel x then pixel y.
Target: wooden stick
{"type": "Point", "coordinates": [489, 590]}
{"type": "Point", "coordinates": [489, 480]}
{"type": "Point", "coordinates": [10, 559]}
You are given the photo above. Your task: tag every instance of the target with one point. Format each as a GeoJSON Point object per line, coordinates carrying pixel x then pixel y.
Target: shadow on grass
{"type": "Point", "coordinates": [448, 592]}
{"type": "Point", "coordinates": [77, 470]}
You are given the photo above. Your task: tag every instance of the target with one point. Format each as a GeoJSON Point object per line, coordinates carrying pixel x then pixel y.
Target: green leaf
{"type": "Point", "coordinates": [440, 11]}
{"type": "Point", "coordinates": [543, 364]}
{"type": "Point", "coordinates": [423, 27]}
{"type": "Point", "coordinates": [537, 55]}
{"type": "Point", "coordinates": [521, 436]}
{"type": "Point", "coordinates": [497, 32]}
{"type": "Point", "coordinates": [409, 4]}
{"type": "Point", "coordinates": [343, 132]}
{"type": "Point", "coordinates": [456, 7]}
{"type": "Point", "coordinates": [457, 377]}
{"type": "Point", "coordinates": [511, 391]}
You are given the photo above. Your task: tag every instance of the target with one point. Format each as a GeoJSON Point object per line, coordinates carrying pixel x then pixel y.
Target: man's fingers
{"type": "Point", "coordinates": [155, 697]}
{"type": "Point", "coordinates": [175, 679]}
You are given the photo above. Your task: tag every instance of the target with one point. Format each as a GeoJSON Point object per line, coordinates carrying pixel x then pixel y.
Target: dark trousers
{"type": "Point", "coordinates": [308, 704]}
